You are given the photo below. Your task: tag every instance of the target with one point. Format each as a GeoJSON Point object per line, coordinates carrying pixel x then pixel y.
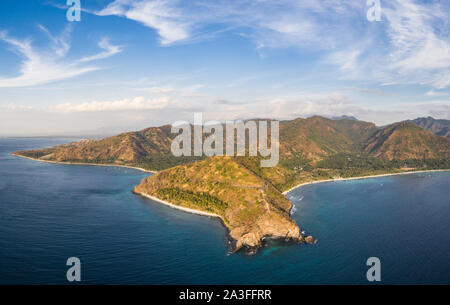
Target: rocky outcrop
{"type": "Point", "coordinates": [251, 239]}
{"type": "Point", "coordinates": [310, 240]}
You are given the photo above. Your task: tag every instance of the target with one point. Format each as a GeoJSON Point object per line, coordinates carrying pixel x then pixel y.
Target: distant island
{"type": "Point", "coordinates": [248, 198]}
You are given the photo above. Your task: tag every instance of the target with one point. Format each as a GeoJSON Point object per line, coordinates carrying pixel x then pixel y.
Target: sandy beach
{"type": "Point", "coordinates": [198, 212]}
{"type": "Point", "coordinates": [364, 177]}
{"type": "Point", "coordinates": [80, 163]}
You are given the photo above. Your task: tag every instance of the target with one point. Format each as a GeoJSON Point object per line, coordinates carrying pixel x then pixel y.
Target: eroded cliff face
{"type": "Point", "coordinates": [250, 208]}
{"type": "Point", "coordinates": [269, 225]}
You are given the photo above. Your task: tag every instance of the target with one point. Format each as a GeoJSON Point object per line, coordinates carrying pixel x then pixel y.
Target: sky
{"type": "Point", "coordinates": [131, 64]}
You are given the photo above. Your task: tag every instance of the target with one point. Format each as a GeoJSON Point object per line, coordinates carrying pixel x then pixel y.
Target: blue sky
{"type": "Point", "coordinates": [136, 63]}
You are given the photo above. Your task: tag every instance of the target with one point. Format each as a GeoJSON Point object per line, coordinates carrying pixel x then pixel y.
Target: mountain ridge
{"type": "Point", "coordinates": [439, 127]}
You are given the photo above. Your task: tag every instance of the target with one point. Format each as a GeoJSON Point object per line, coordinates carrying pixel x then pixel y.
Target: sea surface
{"type": "Point", "coordinates": [50, 212]}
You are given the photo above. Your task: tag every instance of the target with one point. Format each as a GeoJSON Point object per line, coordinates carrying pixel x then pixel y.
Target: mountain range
{"type": "Point", "coordinates": [247, 197]}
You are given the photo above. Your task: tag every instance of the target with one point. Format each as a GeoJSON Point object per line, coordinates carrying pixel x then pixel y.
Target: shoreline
{"type": "Point", "coordinates": [363, 177]}
{"type": "Point", "coordinates": [91, 164]}
{"type": "Point", "coordinates": [174, 206]}
{"type": "Point", "coordinates": [178, 207]}
{"type": "Point", "coordinates": [188, 210]}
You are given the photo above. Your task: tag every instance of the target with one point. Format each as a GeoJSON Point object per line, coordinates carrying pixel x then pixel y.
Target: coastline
{"type": "Point", "coordinates": [198, 212]}
{"type": "Point", "coordinates": [80, 163]}
{"type": "Point", "coordinates": [364, 177]}
{"type": "Point", "coordinates": [193, 211]}
{"type": "Point", "coordinates": [174, 206]}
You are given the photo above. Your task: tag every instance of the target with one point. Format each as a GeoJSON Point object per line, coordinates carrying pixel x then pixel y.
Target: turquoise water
{"type": "Point", "coordinates": [51, 212]}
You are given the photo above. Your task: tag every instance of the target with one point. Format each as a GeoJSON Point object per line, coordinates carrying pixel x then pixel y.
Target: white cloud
{"type": "Point", "coordinates": [109, 50]}
{"type": "Point", "coordinates": [416, 42]}
{"type": "Point", "coordinates": [160, 15]}
{"type": "Point", "coordinates": [370, 91]}
{"type": "Point", "coordinates": [162, 90]}
{"type": "Point", "coordinates": [411, 50]}
{"type": "Point", "coordinates": [15, 108]}
{"type": "Point", "coordinates": [137, 103]}
{"type": "Point", "coordinates": [269, 23]}
{"type": "Point", "coordinates": [45, 66]}
{"type": "Point", "coordinates": [436, 93]}
{"type": "Point", "coordinates": [144, 112]}
{"type": "Point", "coordinates": [410, 45]}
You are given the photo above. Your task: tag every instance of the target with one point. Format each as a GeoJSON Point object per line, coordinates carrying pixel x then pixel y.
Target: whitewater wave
{"type": "Point", "coordinates": [294, 209]}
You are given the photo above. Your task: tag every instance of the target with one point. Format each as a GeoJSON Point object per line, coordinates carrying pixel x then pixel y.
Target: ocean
{"type": "Point", "coordinates": [50, 212]}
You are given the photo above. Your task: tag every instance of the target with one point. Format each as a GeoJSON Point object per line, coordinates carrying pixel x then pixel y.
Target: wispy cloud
{"type": "Point", "coordinates": [410, 45]}
{"type": "Point", "coordinates": [109, 50]}
{"type": "Point", "coordinates": [49, 65]}
{"type": "Point", "coordinates": [270, 24]}
{"type": "Point", "coordinates": [371, 91]}
{"type": "Point", "coordinates": [437, 93]}
{"type": "Point", "coordinates": [137, 103]}
{"type": "Point", "coordinates": [420, 48]}
{"type": "Point", "coordinates": [160, 15]}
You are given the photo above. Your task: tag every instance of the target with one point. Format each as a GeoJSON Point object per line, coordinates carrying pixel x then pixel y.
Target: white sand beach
{"type": "Point", "coordinates": [193, 211]}
{"type": "Point", "coordinates": [80, 163]}
{"type": "Point", "coordinates": [364, 177]}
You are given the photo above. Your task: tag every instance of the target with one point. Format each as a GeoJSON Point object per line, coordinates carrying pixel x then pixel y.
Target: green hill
{"type": "Point", "coordinates": [249, 207]}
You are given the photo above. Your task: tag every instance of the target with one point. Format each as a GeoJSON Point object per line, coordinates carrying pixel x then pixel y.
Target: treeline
{"type": "Point", "coordinates": [348, 162]}
{"type": "Point", "coordinates": [298, 162]}
{"type": "Point", "coordinates": [204, 201]}
{"type": "Point", "coordinates": [35, 154]}
{"type": "Point", "coordinates": [164, 161]}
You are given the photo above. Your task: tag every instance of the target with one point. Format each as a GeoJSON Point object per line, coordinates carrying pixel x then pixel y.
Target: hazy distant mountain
{"type": "Point", "coordinates": [438, 127]}
{"type": "Point", "coordinates": [344, 117]}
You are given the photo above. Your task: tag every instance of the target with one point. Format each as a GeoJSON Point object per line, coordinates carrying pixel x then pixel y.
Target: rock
{"type": "Point", "coordinates": [310, 240]}
{"type": "Point", "coordinates": [249, 240]}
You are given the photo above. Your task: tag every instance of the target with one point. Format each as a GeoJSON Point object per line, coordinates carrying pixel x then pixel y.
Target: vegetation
{"type": "Point", "coordinates": [203, 201]}
{"type": "Point", "coordinates": [246, 203]}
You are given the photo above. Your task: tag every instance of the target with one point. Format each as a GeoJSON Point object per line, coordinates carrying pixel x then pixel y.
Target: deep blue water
{"type": "Point", "coordinates": [51, 212]}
